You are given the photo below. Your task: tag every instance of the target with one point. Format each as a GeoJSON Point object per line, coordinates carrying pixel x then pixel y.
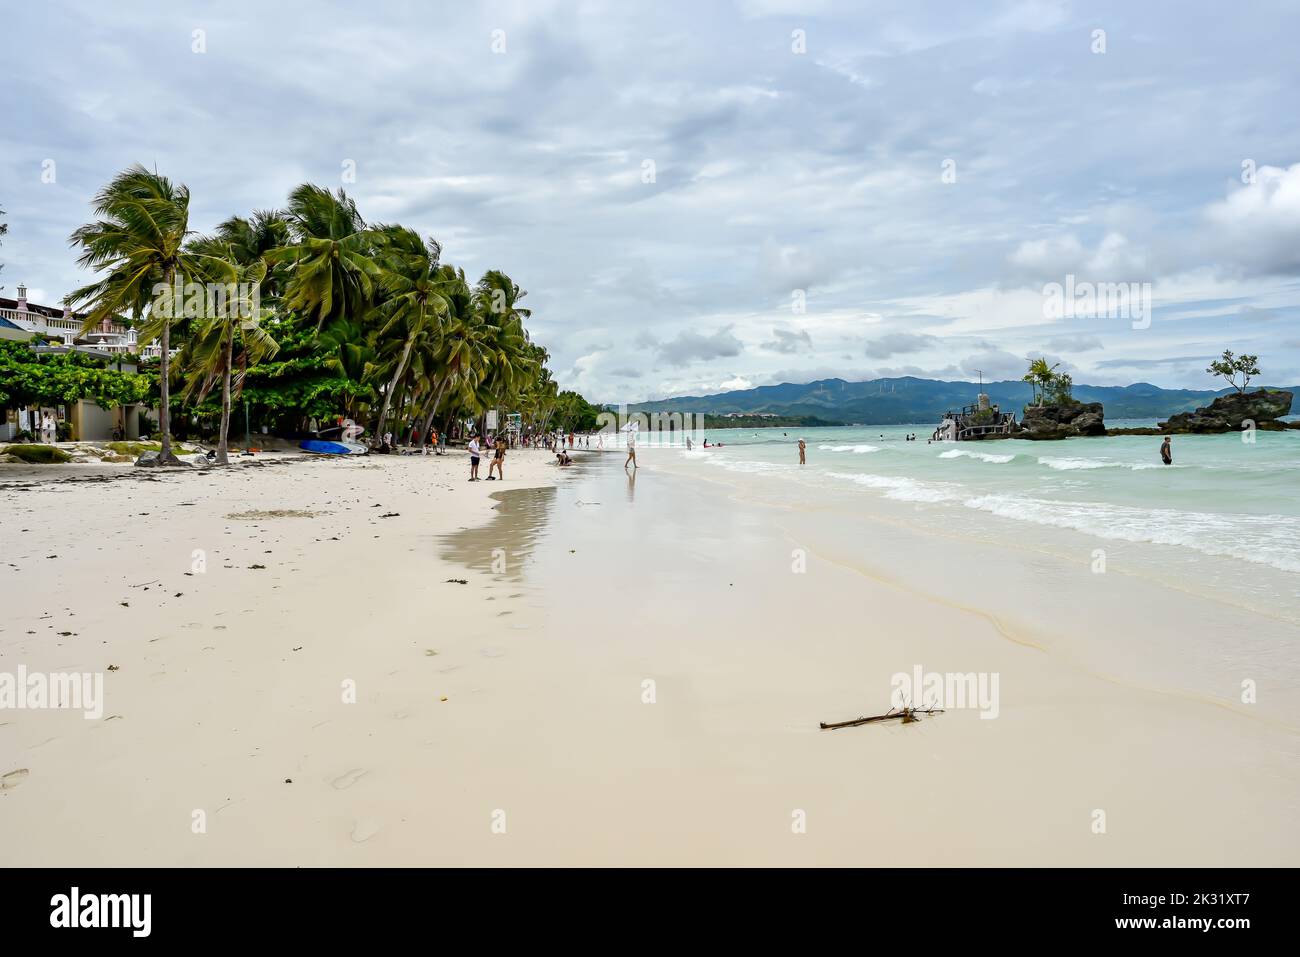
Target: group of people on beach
{"type": "Point", "coordinates": [494, 444]}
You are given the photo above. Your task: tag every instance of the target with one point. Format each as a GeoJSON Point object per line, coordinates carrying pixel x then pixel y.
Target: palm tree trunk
{"type": "Point", "coordinates": [222, 456]}
{"type": "Point", "coordinates": [392, 385]}
{"type": "Point", "coordinates": [165, 456]}
{"type": "Point", "coordinates": [433, 410]}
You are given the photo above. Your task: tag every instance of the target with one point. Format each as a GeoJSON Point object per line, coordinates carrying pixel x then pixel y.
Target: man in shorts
{"type": "Point", "coordinates": [474, 451]}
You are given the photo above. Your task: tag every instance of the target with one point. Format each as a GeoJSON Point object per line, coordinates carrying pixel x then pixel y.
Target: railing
{"type": "Point", "coordinates": [155, 352]}
{"type": "Point", "coordinates": [36, 322]}
{"type": "Point", "coordinates": [1003, 425]}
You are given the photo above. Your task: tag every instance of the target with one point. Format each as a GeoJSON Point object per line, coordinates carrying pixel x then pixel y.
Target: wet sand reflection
{"type": "Point", "coordinates": [516, 527]}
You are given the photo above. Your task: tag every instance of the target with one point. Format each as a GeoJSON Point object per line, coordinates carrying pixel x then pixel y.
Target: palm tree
{"type": "Point", "coordinates": [138, 239]}
{"type": "Point", "coordinates": [247, 240]}
{"type": "Point", "coordinates": [414, 283]}
{"type": "Point", "coordinates": [332, 274]}
{"type": "Point", "coordinates": [505, 351]}
{"type": "Point", "coordinates": [210, 353]}
{"type": "Point", "coordinates": [454, 352]}
{"type": "Point", "coordinates": [351, 352]}
{"type": "Point", "coordinates": [1040, 377]}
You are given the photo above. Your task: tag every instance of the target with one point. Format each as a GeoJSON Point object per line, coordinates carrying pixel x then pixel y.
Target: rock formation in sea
{"type": "Point", "coordinates": [1064, 421]}
{"type": "Point", "coordinates": [1228, 412]}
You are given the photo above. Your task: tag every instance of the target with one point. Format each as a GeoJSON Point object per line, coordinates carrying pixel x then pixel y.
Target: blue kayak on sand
{"type": "Point", "coordinates": [332, 447]}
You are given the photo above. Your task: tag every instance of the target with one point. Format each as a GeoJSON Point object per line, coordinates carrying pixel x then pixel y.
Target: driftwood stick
{"type": "Point", "coordinates": [906, 715]}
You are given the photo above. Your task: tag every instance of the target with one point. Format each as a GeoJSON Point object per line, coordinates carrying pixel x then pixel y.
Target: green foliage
{"type": "Point", "coordinates": [37, 454]}
{"type": "Point", "coordinates": [573, 413]}
{"type": "Point", "coordinates": [1050, 386]}
{"type": "Point", "coordinates": [51, 378]}
{"type": "Point", "coordinates": [355, 320]}
{"type": "Point", "coordinates": [1229, 367]}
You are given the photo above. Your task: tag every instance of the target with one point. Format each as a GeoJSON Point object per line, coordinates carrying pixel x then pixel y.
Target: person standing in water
{"type": "Point", "coordinates": [1166, 451]}
{"type": "Point", "coordinates": [802, 449]}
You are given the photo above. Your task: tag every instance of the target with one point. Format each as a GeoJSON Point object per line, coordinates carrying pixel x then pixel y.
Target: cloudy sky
{"type": "Point", "coordinates": [702, 196]}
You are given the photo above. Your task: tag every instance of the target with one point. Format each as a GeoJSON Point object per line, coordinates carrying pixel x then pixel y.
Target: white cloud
{"type": "Point", "coordinates": [1258, 225]}
{"type": "Point", "coordinates": [735, 383]}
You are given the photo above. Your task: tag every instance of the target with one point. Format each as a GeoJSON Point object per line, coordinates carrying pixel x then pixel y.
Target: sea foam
{"type": "Point", "coordinates": [1263, 539]}
{"type": "Point", "coordinates": [1077, 465]}
{"type": "Point", "coordinates": [902, 489]}
{"type": "Point", "coordinates": [981, 456]}
{"type": "Point", "coordinates": [855, 449]}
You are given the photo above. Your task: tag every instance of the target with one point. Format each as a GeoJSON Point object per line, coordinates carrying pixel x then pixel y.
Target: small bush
{"type": "Point", "coordinates": [37, 454]}
{"type": "Point", "coordinates": [134, 449]}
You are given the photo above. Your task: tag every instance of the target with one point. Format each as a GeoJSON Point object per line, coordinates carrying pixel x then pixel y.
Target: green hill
{"type": "Point", "coordinates": [909, 400]}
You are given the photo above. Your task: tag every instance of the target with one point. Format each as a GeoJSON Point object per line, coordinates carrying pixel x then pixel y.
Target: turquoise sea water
{"type": "Point", "coordinates": [1225, 515]}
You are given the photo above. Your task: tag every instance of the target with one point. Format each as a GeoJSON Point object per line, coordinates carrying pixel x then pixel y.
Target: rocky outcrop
{"type": "Point", "coordinates": [1228, 412]}
{"type": "Point", "coordinates": [1062, 421]}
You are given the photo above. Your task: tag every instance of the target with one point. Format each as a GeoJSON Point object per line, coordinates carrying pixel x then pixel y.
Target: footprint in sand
{"type": "Point", "coordinates": [491, 652]}
{"type": "Point", "coordinates": [13, 779]}
{"type": "Point", "coordinates": [364, 829]}
{"type": "Point", "coordinates": [349, 779]}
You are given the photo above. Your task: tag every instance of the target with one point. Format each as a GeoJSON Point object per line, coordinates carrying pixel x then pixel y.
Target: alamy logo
{"type": "Point", "coordinates": [945, 690]}
{"type": "Point", "coordinates": [38, 691]}
{"type": "Point", "coordinates": [210, 300]}
{"type": "Point", "coordinates": [654, 428]}
{"type": "Point", "coordinates": [1098, 300]}
{"type": "Point", "coordinates": [103, 910]}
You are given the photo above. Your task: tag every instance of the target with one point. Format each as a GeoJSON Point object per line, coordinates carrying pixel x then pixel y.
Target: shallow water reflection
{"type": "Point", "coordinates": [503, 545]}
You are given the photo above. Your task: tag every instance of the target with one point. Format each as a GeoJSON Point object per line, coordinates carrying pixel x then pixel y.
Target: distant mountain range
{"type": "Point", "coordinates": [909, 400]}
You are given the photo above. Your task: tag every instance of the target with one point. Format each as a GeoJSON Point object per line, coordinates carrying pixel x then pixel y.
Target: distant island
{"type": "Point", "coordinates": [767, 420]}
{"type": "Point", "coordinates": [909, 400]}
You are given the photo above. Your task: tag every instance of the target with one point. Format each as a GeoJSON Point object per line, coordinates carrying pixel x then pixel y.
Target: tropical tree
{"type": "Point", "coordinates": [246, 240]}
{"type": "Point", "coordinates": [505, 357]}
{"type": "Point", "coordinates": [210, 355]}
{"type": "Point", "coordinates": [345, 317]}
{"type": "Point", "coordinates": [455, 351]}
{"type": "Point", "coordinates": [28, 377]}
{"type": "Point", "coordinates": [1229, 366]}
{"type": "Point", "coordinates": [414, 283]}
{"type": "Point", "coordinates": [332, 273]}
{"type": "Point", "coordinates": [138, 240]}
{"type": "Point", "coordinates": [1040, 377]}
{"type": "Point", "coordinates": [351, 354]}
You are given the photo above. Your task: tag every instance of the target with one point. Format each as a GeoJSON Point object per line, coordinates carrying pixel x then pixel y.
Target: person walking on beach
{"type": "Point", "coordinates": [802, 450]}
{"type": "Point", "coordinates": [473, 458]}
{"type": "Point", "coordinates": [498, 460]}
{"type": "Point", "coordinates": [1166, 451]}
{"type": "Point", "coordinates": [631, 448]}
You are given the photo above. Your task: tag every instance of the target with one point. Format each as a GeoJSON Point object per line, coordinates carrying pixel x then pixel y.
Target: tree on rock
{"type": "Point", "coordinates": [1229, 367]}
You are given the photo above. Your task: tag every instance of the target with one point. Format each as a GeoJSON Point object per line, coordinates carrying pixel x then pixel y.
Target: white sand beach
{"type": "Point", "coordinates": [631, 674]}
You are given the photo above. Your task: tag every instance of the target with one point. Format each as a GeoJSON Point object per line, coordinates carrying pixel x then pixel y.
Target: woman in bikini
{"type": "Point", "coordinates": [498, 460]}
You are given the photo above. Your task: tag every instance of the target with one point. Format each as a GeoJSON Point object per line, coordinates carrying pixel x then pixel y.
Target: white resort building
{"type": "Point", "coordinates": [21, 320]}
